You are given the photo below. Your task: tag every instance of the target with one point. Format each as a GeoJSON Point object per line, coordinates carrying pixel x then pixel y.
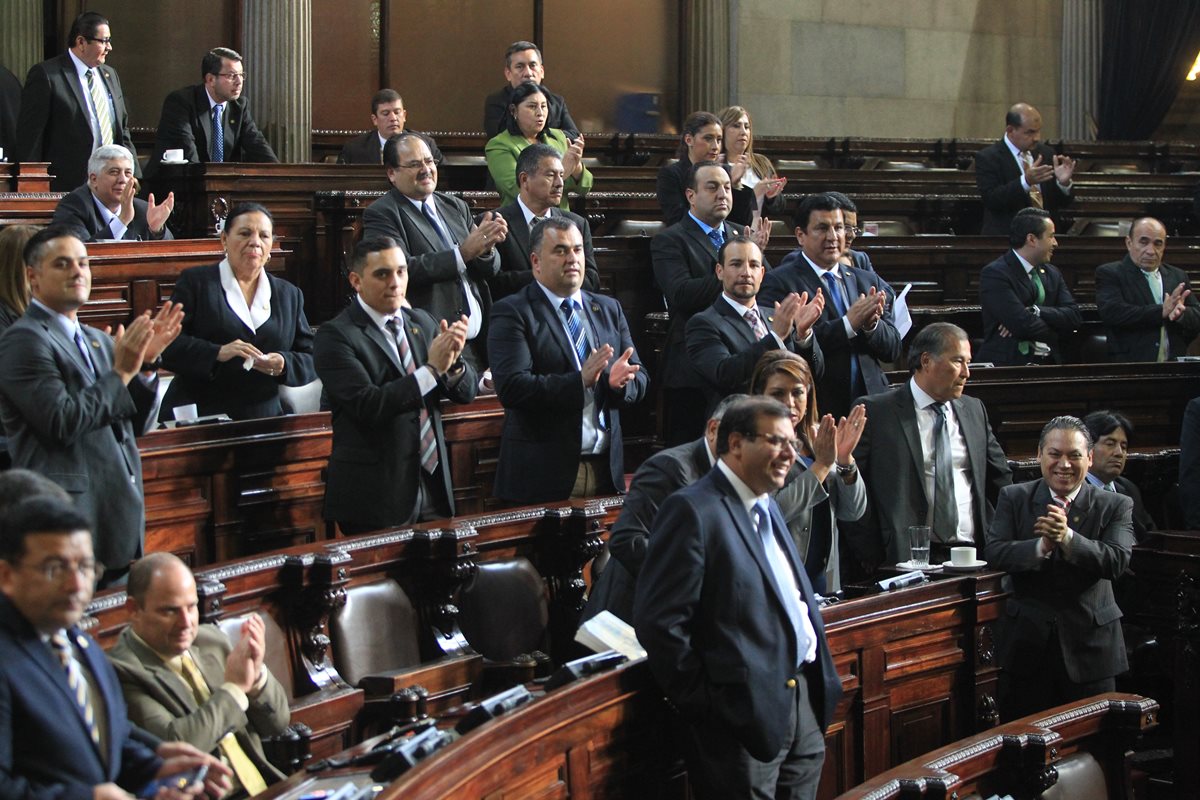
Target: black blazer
{"type": "Point", "coordinates": [374, 467]}
{"type": "Point", "coordinates": [225, 387]}
{"type": "Point", "coordinates": [78, 209]}
{"type": "Point", "coordinates": [365, 149]}
{"type": "Point", "coordinates": [670, 188]}
{"type": "Point", "coordinates": [496, 107]}
{"type": "Point", "coordinates": [870, 349]}
{"type": "Point", "coordinates": [186, 123]}
{"type": "Point", "coordinates": [10, 109]}
{"type": "Point", "coordinates": [516, 269]}
{"type": "Point", "coordinates": [1133, 320]}
{"type": "Point", "coordinates": [55, 124]}
{"type": "Point", "coordinates": [713, 623]}
{"type": "Point", "coordinates": [537, 381]}
{"type": "Point", "coordinates": [998, 179]}
{"type": "Point", "coordinates": [1006, 294]}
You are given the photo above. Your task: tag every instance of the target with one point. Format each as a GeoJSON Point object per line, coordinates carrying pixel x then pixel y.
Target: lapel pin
{"type": "Point", "coordinates": [95, 343]}
{"type": "Point", "coordinates": [595, 307]}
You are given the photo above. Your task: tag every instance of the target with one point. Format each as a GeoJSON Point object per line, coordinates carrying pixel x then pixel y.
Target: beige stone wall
{"type": "Point", "coordinates": [896, 68]}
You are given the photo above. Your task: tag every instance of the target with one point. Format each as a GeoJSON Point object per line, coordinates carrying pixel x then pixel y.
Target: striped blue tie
{"type": "Point", "coordinates": [570, 310]}
{"type": "Point", "coordinates": [218, 148]}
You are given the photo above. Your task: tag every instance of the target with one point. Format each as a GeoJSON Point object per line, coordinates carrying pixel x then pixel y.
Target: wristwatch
{"type": "Point", "coordinates": [846, 469]}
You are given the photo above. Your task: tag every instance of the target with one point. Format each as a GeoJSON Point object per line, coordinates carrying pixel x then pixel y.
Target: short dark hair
{"type": "Point", "coordinates": [531, 157]}
{"type": "Point", "coordinates": [557, 223]}
{"type": "Point", "coordinates": [211, 63]}
{"type": "Point", "coordinates": [1102, 423]}
{"type": "Point", "coordinates": [141, 574]}
{"type": "Point", "coordinates": [740, 238]}
{"type": "Point", "coordinates": [19, 484]}
{"type": "Point", "coordinates": [1065, 423]}
{"type": "Point", "coordinates": [934, 339]}
{"type": "Point", "coordinates": [43, 514]}
{"type": "Point", "coordinates": [742, 417]}
{"type": "Point", "coordinates": [844, 202]}
{"type": "Point", "coordinates": [384, 96]}
{"type": "Point", "coordinates": [242, 209]}
{"type": "Point", "coordinates": [35, 248]}
{"type": "Point", "coordinates": [822, 201]}
{"type": "Point", "coordinates": [694, 170]}
{"type": "Point", "coordinates": [523, 92]}
{"type": "Point", "coordinates": [391, 148]}
{"type": "Point", "coordinates": [85, 25]}
{"type": "Point", "coordinates": [1027, 221]}
{"type": "Point", "coordinates": [368, 245]}
{"type": "Point", "coordinates": [519, 47]}
{"type": "Point", "coordinates": [696, 121]}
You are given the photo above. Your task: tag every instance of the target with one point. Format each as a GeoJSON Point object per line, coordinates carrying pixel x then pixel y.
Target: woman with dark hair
{"type": "Point", "coordinates": [824, 485]}
{"type": "Point", "coordinates": [244, 330]}
{"type": "Point", "coordinates": [14, 287]}
{"type": "Point", "coordinates": [700, 141]}
{"type": "Point", "coordinates": [748, 168]}
{"type": "Point", "coordinates": [526, 125]}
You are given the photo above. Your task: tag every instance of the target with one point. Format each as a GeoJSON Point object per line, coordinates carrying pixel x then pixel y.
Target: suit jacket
{"type": "Point", "coordinates": [366, 149]}
{"type": "Point", "coordinates": [1132, 318]}
{"type": "Point", "coordinates": [723, 349]}
{"type": "Point", "coordinates": [186, 123]}
{"type": "Point", "coordinates": [502, 151]}
{"type": "Point", "coordinates": [670, 186]}
{"type": "Point", "coordinates": [1071, 591]}
{"type": "Point", "coordinates": [516, 268]}
{"type": "Point", "coordinates": [45, 750]}
{"type": "Point", "coordinates": [537, 380]}
{"type": "Point", "coordinates": [218, 387]}
{"type": "Point", "coordinates": [495, 108]}
{"type": "Point", "coordinates": [890, 458]}
{"type": "Point", "coordinates": [375, 463]}
{"type": "Point", "coordinates": [803, 496]}
{"type": "Point", "coordinates": [78, 209]}
{"type": "Point", "coordinates": [869, 349]}
{"type": "Point", "coordinates": [684, 260]}
{"type": "Point", "coordinates": [998, 179]}
{"type": "Point", "coordinates": [55, 122]}
{"type": "Point", "coordinates": [77, 430]}
{"type": "Point", "coordinates": [10, 109]}
{"type": "Point", "coordinates": [712, 620]}
{"type": "Point", "coordinates": [433, 279]}
{"type": "Point", "coordinates": [1142, 521]}
{"type": "Point", "coordinates": [1007, 293]}
{"type": "Point", "coordinates": [162, 703]}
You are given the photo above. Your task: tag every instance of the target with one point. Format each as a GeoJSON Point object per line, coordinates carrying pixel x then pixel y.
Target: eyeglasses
{"type": "Point", "coordinates": [854, 231]}
{"type": "Point", "coordinates": [107, 41]}
{"type": "Point", "coordinates": [428, 162]}
{"type": "Point", "coordinates": [234, 77]}
{"type": "Point", "coordinates": [54, 569]}
{"type": "Point", "coordinates": [777, 441]}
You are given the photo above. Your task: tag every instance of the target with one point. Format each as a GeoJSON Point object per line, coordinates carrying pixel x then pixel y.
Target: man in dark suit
{"type": "Point", "coordinates": [727, 339]}
{"type": "Point", "coordinates": [523, 62]}
{"type": "Point", "coordinates": [72, 104]}
{"type": "Point", "coordinates": [850, 257]}
{"type": "Point", "coordinates": [684, 259]}
{"type": "Point", "coordinates": [540, 178]}
{"type": "Point", "coordinates": [856, 330]}
{"type": "Point", "coordinates": [1147, 306]}
{"type": "Point", "coordinates": [449, 257]}
{"type": "Point", "coordinates": [1027, 308]}
{"type": "Point", "coordinates": [1063, 543]}
{"type": "Point", "coordinates": [564, 366]}
{"type": "Point", "coordinates": [105, 208]}
{"type": "Point", "coordinates": [10, 109]}
{"type": "Point", "coordinates": [731, 628]}
{"type": "Point", "coordinates": [388, 116]}
{"type": "Point", "coordinates": [72, 400]}
{"type": "Point", "coordinates": [898, 454]}
{"type": "Point", "coordinates": [1111, 432]}
{"type": "Point", "coordinates": [1018, 171]}
{"type": "Point", "coordinates": [211, 121]}
{"type": "Point", "coordinates": [385, 369]}
{"type": "Point", "coordinates": [63, 728]}
{"type": "Point", "coordinates": [185, 681]}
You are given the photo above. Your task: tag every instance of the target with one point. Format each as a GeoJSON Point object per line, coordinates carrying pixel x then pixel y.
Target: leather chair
{"type": "Point", "coordinates": [504, 615]}
{"type": "Point", "coordinates": [374, 632]}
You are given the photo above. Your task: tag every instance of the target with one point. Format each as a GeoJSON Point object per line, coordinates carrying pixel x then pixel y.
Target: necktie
{"type": "Point", "coordinates": [81, 343]}
{"type": "Point", "coordinates": [945, 506]}
{"type": "Point", "coordinates": [1035, 191]}
{"type": "Point", "coordinates": [570, 311]}
{"type": "Point", "coordinates": [1064, 502]}
{"type": "Point", "coordinates": [756, 324]}
{"type": "Point", "coordinates": [218, 148]}
{"type": "Point", "coordinates": [104, 119]}
{"type": "Point", "coordinates": [429, 453]}
{"type": "Point", "coordinates": [534, 222]}
{"type": "Point", "coordinates": [1039, 297]}
{"type": "Point", "coordinates": [835, 295]}
{"type": "Point", "coordinates": [247, 774]}
{"type": "Point", "coordinates": [447, 242]}
{"type": "Point", "coordinates": [717, 237]}
{"type": "Point", "coordinates": [785, 578]}
{"type": "Point", "coordinates": [1156, 291]}
{"type": "Point", "coordinates": [433, 220]}
{"type": "Point", "coordinates": [76, 682]}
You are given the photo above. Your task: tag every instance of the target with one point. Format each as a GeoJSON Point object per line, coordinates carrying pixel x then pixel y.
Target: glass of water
{"type": "Point", "coordinates": [918, 545]}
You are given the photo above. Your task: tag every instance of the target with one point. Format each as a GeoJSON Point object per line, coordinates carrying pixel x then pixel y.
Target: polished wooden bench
{"type": "Point", "coordinates": [25, 177]}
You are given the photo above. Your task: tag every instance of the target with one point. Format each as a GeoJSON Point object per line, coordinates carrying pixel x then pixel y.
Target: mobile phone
{"type": "Point", "coordinates": [180, 780]}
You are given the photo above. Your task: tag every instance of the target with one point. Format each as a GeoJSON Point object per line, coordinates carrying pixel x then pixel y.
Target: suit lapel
{"type": "Point", "coordinates": [1137, 281]}
{"type": "Point", "coordinates": [451, 219]}
{"type": "Point", "coordinates": [372, 332]}
{"type": "Point", "coordinates": [206, 128]}
{"type": "Point", "coordinates": [701, 238]}
{"type": "Point", "coordinates": [66, 346]}
{"type": "Point", "coordinates": [906, 411]}
{"type": "Point", "coordinates": [416, 340]}
{"type": "Point", "coordinates": [66, 69]}
{"type": "Point", "coordinates": [417, 221]}
{"type": "Point", "coordinates": [736, 327]}
{"type": "Point", "coordinates": [750, 538]}
{"type": "Point", "coordinates": [518, 227]}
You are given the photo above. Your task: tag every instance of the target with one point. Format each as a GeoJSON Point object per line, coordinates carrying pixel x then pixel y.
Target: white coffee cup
{"type": "Point", "coordinates": [173, 155]}
{"type": "Point", "coordinates": [962, 556]}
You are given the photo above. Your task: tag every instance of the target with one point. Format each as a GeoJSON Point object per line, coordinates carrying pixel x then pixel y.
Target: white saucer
{"type": "Point", "coordinates": [964, 567]}
{"type": "Point", "coordinates": [908, 565]}
{"type": "Point", "coordinates": [180, 161]}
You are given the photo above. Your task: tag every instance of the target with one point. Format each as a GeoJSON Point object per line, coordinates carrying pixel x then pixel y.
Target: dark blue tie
{"type": "Point", "coordinates": [834, 290]}
{"type": "Point", "coordinates": [218, 148]}
{"type": "Point", "coordinates": [433, 220]}
{"type": "Point", "coordinates": [575, 326]}
{"type": "Point", "coordinates": [717, 236]}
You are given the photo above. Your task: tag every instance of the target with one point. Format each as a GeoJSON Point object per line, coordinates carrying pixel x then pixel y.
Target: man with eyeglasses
{"type": "Point", "coordinates": [72, 104]}
{"type": "Point", "coordinates": [211, 121]}
{"type": "Point", "coordinates": [856, 331]}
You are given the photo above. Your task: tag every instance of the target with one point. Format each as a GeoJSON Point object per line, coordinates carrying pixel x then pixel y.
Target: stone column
{"type": "Point", "coordinates": [21, 36]}
{"type": "Point", "coordinates": [278, 59]}
{"type": "Point", "coordinates": [707, 81]}
{"type": "Point", "coordinates": [1082, 35]}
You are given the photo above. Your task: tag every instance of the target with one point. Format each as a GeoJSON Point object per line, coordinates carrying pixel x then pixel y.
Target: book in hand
{"type": "Point", "coordinates": [607, 631]}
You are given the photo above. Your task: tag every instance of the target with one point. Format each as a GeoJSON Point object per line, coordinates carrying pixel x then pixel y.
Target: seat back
{"type": "Point", "coordinates": [375, 631]}
{"type": "Point", "coordinates": [276, 658]}
{"type": "Point", "coordinates": [1079, 776]}
{"type": "Point", "coordinates": [503, 611]}
{"type": "Point", "coordinates": [304, 399]}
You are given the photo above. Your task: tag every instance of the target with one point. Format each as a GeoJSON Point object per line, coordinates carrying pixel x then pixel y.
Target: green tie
{"type": "Point", "coordinates": [1156, 291]}
{"type": "Point", "coordinates": [1039, 297]}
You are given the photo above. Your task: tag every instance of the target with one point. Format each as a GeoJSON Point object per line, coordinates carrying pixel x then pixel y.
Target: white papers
{"type": "Point", "coordinates": [904, 321]}
{"type": "Point", "coordinates": [606, 631]}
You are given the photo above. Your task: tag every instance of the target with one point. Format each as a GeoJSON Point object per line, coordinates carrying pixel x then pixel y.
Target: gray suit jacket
{"type": "Point", "coordinates": [802, 493]}
{"type": "Point", "coordinates": [163, 704]}
{"type": "Point", "coordinates": [890, 457]}
{"type": "Point", "coordinates": [77, 430]}
{"type": "Point", "coordinates": [1070, 593]}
